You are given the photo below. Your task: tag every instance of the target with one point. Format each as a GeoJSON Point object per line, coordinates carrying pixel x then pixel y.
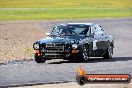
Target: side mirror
{"type": "Point", "coordinates": [47, 34]}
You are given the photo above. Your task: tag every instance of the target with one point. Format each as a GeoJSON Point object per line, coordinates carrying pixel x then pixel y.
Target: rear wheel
{"type": "Point", "coordinates": [108, 54]}
{"type": "Point", "coordinates": [39, 59]}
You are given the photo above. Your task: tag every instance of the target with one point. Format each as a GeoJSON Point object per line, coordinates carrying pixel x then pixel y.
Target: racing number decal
{"type": "Point", "coordinates": [94, 45]}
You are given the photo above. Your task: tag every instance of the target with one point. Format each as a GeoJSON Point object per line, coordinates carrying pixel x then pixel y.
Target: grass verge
{"type": "Point", "coordinates": [62, 13]}
{"type": "Point", "coordinates": [64, 9]}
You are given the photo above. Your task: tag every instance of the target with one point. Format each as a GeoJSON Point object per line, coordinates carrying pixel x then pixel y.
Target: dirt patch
{"type": "Point", "coordinates": [17, 38]}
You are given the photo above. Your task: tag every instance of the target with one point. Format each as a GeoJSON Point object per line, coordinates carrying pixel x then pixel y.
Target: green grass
{"type": "Point", "coordinates": [64, 9]}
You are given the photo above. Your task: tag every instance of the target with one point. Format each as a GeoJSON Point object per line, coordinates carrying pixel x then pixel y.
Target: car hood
{"type": "Point", "coordinates": [62, 39]}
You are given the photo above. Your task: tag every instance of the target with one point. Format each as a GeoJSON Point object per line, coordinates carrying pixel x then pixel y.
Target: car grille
{"type": "Point", "coordinates": [54, 50]}
{"type": "Point", "coordinates": [54, 47]}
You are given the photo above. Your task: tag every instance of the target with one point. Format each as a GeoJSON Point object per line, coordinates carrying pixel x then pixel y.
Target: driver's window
{"type": "Point", "coordinates": [96, 30]}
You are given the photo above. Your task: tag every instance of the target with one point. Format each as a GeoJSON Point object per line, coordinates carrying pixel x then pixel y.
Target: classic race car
{"type": "Point", "coordinates": [74, 41]}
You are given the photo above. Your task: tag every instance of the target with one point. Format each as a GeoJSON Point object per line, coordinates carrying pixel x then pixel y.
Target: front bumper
{"type": "Point", "coordinates": [66, 54]}
{"type": "Point", "coordinates": [57, 51]}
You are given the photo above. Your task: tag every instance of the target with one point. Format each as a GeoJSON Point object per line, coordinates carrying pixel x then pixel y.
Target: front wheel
{"type": "Point", "coordinates": [39, 59]}
{"type": "Point", "coordinates": [85, 53]}
{"type": "Point", "coordinates": [108, 54]}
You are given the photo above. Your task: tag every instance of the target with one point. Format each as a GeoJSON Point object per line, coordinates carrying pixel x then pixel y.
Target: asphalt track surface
{"type": "Point", "coordinates": [29, 72]}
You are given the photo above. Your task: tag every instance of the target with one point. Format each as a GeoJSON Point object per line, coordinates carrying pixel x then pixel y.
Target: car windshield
{"type": "Point", "coordinates": [70, 30]}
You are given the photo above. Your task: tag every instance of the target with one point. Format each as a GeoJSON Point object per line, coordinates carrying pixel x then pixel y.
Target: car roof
{"type": "Point", "coordinates": [81, 24]}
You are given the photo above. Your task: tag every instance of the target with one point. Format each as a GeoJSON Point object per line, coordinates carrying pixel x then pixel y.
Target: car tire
{"type": "Point", "coordinates": [85, 53]}
{"type": "Point", "coordinates": [39, 59]}
{"type": "Point", "coordinates": [108, 54]}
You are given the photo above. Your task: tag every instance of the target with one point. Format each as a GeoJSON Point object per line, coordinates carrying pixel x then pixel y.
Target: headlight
{"type": "Point", "coordinates": [74, 46]}
{"type": "Point", "coordinates": [36, 46]}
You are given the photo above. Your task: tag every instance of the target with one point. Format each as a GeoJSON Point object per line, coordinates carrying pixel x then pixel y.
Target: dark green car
{"type": "Point", "coordinates": [74, 41]}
